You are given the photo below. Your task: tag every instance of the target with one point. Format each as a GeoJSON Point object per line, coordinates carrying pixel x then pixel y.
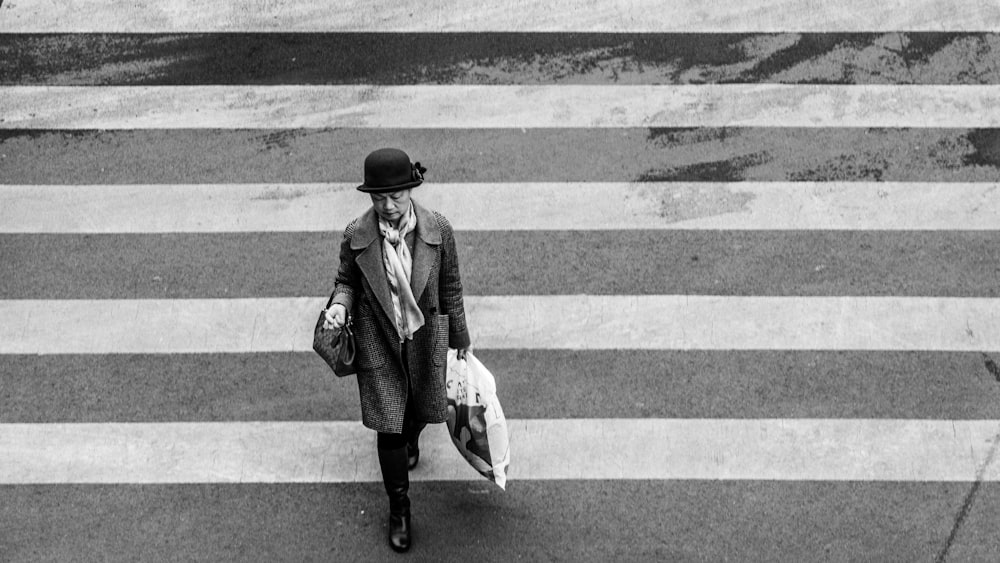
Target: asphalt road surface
{"type": "Point", "coordinates": [873, 502]}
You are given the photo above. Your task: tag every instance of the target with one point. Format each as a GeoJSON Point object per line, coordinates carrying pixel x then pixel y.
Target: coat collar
{"type": "Point", "coordinates": [367, 238]}
{"type": "Point", "coordinates": [367, 231]}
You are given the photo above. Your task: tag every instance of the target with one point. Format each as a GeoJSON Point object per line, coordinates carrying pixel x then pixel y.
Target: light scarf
{"type": "Point", "coordinates": [398, 265]}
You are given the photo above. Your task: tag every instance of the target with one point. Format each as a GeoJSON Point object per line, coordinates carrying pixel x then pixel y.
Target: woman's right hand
{"type": "Point", "coordinates": [336, 316]}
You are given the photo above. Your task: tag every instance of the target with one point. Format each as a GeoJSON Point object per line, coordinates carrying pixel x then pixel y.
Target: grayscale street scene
{"type": "Point", "coordinates": [735, 269]}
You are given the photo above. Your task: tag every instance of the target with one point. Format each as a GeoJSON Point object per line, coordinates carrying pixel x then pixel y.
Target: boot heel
{"type": "Point", "coordinates": [399, 530]}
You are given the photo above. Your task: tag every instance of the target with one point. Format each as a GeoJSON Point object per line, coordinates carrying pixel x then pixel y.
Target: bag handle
{"type": "Point", "coordinates": [329, 302]}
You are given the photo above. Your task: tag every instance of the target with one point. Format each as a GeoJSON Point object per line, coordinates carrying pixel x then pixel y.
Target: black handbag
{"type": "Point", "coordinates": [336, 346]}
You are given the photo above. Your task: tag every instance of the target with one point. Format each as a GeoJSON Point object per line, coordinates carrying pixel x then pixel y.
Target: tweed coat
{"type": "Point", "coordinates": [363, 289]}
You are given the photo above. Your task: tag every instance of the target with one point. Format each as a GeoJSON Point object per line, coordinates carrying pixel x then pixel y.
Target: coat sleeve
{"type": "Point", "coordinates": [450, 288]}
{"type": "Point", "coordinates": [348, 281]}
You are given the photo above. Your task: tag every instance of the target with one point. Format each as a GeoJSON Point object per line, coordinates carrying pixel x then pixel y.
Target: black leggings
{"type": "Point", "coordinates": [411, 431]}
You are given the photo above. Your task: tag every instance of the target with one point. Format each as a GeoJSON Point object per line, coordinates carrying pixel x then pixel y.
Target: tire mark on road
{"type": "Point", "coordinates": [991, 366]}
{"type": "Point", "coordinates": [969, 500]}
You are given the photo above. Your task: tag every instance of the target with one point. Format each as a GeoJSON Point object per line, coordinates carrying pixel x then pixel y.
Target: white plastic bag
{"type": "Point", "coordinates": [475, 420]}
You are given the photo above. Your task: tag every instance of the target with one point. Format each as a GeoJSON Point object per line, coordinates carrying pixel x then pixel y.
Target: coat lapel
{"type": "Point", "coordinates": [370, 259]}
{"type": "Point", "coordinates": [368, 239]}
{"type": "Point", "coordinates": [428, 236]}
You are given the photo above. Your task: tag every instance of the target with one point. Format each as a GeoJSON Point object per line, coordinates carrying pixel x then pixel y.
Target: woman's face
{"type": "Point", "coordinates": [391, 206]}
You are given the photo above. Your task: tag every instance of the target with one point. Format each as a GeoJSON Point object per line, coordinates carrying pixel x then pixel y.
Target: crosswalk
{"type": "Point", "coordinates": [169, 16]}
{"type": "Point", "coordinates": [527, 206]}
{"type": "Point", "coordinates": [575, 322]}
{"type": "Point", "coordinates": [708, 249]}
{"type": "Point", "coordinates": [313, 452]}
{"type": "Point", "coordinates": [487, 106]}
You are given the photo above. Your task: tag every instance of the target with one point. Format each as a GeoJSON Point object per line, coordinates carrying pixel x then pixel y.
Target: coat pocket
{"type": "Point", "coordinates": [370, 350]}
{"type": "Point", "coordinates": [440, 339]}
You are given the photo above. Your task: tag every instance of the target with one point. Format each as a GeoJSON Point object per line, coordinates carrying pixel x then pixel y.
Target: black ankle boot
{"type": "Point", "coordinates": [399, 529]}
{"type": "Point", "coordinates": [397, 485]}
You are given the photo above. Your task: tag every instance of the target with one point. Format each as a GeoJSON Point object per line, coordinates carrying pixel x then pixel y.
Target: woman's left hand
{"type": "Point", "coordinates": [462, 352]}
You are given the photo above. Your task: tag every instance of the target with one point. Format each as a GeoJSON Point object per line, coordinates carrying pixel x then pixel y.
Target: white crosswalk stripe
{"type": "Point", "coordinates": [290, 452]}
{"type": "Point", "coordinates": [563, 106]}
{"type": "Point", "coordinates": [221, 208]}
{"type": "Point", "coordinates": [575, 322]}
{"type": "Point", "coordinates": [520, 15]}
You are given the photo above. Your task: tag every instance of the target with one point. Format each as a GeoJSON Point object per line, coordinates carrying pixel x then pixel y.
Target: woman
{"type": "Point", "coordinates": [399, 279]}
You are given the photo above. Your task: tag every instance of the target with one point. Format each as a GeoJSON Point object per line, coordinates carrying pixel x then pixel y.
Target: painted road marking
{"type": "Point", "coordinates": [577, 322]}
{"type": "Point", "coordinates": [171, 16]}
{"type": "Point", "coordinates": [579, 449]}
{"type": "Point", "coordinates": [218, 208]}
{"type": "Point", "coordinates": [477, 106]}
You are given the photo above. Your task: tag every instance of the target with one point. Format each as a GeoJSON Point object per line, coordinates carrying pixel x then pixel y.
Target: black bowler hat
{"type": "Point", "coordinates": [389, 170]}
